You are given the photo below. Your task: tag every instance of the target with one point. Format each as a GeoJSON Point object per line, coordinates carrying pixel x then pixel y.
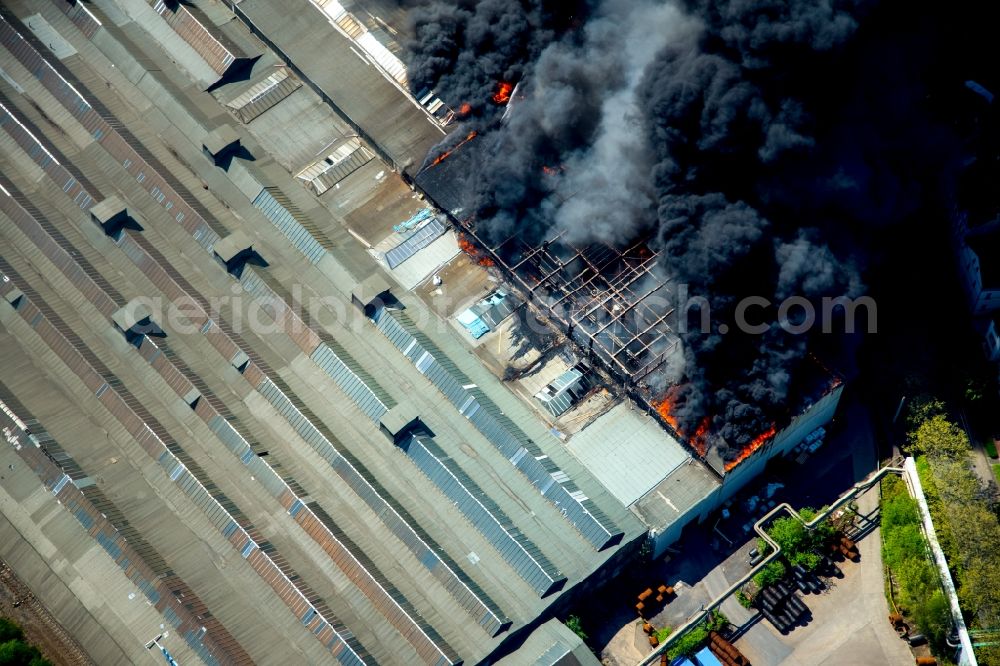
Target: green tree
{"type": "Point", "coordinates": [806, 559]}
{"type": "Point", "coordinates": [9, 631]}
{"type": "Point", "coordinates": [938, 437]}
{"type": "Point", "coordinates": [980, 590]}
{"type": "Point", "coordinates": [821, 533]}
{"type": "Point", "coordinates": [921, 409]}
{"type": "Point", "coordinates": [790, 534]}
{"type": "Point", "coordinates": [18, 653]}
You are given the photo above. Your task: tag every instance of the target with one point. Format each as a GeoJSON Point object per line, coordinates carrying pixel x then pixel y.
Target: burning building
{"type": "Point", "coordinates": [617, 307]}
{"type": "Point", "coordinates": [620, 174]}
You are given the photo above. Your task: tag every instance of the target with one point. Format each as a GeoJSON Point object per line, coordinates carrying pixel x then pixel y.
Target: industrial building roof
{"type": "Point", "coordinates": [219, 139]}
{"type": "Point", "coordinates": [552, 644]}
{"type": "Point", "coordinates": [682, 489]}
{"type": "Point", "coordinates": [422, 264]}
{"type": "Point", "coordinates": [384, 110]}
{"type": "Point", "coordinates": [628, 452]}
{"type": "Point", "coordinates": [261, 476]}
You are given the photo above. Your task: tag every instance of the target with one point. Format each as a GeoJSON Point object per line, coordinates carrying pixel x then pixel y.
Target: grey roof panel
{"type": "Point", "coordinates": [289, 221]}
{"type": "Point", "coordinates": [596, 527]}
{"type": "Point", "coordinates": [523, 556]}
{"type": "Point", "coordinates": [417, 241]}
{"type": "Point", "coordinates": [611, 446]}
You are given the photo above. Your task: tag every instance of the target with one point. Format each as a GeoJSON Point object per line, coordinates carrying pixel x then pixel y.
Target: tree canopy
{"type": "Point", "coordinates": [963, 510]}
{"type": "Point", "coordinates": [14, 651]}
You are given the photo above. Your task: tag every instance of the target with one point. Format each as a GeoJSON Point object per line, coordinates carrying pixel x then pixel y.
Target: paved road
{"type": "Point", "coordinates": [981, 462]}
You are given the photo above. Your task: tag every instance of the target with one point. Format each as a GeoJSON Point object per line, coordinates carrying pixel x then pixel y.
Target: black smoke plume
{"type": "Point", "coordinates": [757, 142]}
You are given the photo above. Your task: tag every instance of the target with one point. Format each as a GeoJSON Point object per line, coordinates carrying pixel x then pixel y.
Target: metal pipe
{"type": "Point", "coordinates": [703, 613]}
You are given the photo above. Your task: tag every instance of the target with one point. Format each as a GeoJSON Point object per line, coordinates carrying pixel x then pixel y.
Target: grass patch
{"type": "Point", "coordinates": [991, 448]}
{"type": "Point", "coordinates": [693, 640]}
{"type": "Point", "coordinates": [996, 471]}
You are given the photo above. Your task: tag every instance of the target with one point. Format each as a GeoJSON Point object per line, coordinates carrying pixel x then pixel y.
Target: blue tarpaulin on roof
{"type": "Point", "coordinates": [706, 658]}
{"type": "Point", "coordinates": [472, 323]}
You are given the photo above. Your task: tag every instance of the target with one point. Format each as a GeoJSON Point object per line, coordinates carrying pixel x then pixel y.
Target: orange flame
{"type": "Point", "coordinates": [443, 156]}
{"type": "Point", "coordinates": [466, 246]}
{"type": "Point", "coordinates": [698, 441]}
{"type": "Point", "coordinates": [754, 444]}
{"type": "Point", "coordinates": [464, 109]}
{"type": "Point", "coordinates": [503, 92]}
{"type": "Point", "coordinates": [665, 408]}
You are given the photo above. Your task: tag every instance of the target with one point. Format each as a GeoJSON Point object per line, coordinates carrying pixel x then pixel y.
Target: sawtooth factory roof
{"type": "Point", "coordinates": [206, 419]}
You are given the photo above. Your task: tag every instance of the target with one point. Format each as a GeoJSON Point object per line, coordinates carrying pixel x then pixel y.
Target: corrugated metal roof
{"type": "Point", "coordinates": [353, 380]}
{"type": "Point", "coordinates": [49, 36]}
{"type": "Point", "coordinates": [367, 579]}
{"type": "Point", "coordinates": [627, 451]}
{"type": "Point", "coordinates": [551, 644]}
{"type": "Point", "coordinates": [373, 44]}
{"type": "Point", "coordinates": [291, 222]}
{"type": "Point", "coordinates": [217, 55]}
{"type": "Point", "coordinates": [156, 441]}
{"type": "Point", "coordinates": [438, 253]}
{"type": "Point", "coordinates": [347, 158]}
{"type": "Point", "coordinates": [415, 242]}
{"type": "Point", "coordinates": [263, 95]}
{"type": "Point", "coordinates": [554, 484]}
{"type": "Point", "coordinates": [312, 430]}
{"type": "Point", "coordinates": [103, 521]}
{"type": "Point", "coordinates": [479, 509]}
{"type": "Point", "coordinates": [463, 589]}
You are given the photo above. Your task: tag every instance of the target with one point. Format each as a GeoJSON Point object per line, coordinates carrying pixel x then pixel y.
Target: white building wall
{"type": "Point", "coordinates": [991, 341]}
{"type": "Point", "coordinates": [816, 416]}
{"type": "Point", "coordinates": [982, 300]}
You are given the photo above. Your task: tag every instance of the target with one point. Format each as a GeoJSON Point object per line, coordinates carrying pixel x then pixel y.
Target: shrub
{"type": "Point", "coordinates": [692, 641]}
{"type": "Point", "coordinates": [689, 643]}
{"type": "Point", "coordinates": [717, 621]}
{"type": "Point", "coordinates": [18, 653]}
{"type": "Point", "coordinates": [905, 552]}
{"type": "Point", "coordinates": [576, 626]}
{"type": "Point", "coordinates": [770, 574]}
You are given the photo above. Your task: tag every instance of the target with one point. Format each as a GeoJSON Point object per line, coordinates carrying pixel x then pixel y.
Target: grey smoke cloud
{"type": "Point", "coordinates": [662, 119]}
